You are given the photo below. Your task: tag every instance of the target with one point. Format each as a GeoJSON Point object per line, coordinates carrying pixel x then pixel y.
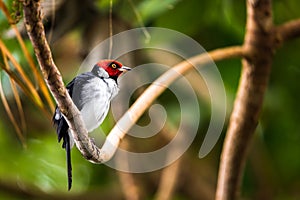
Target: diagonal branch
{"type": "Point", "coordinates": [88, 149]}
{"type": "Point", "coordinates": [35, 30]}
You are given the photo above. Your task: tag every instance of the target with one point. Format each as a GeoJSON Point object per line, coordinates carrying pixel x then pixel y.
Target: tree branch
{"type": "Point", "coordinates": [160, 85]}
{"type": "Point", "coordinates": [35, 30]}
{"type": "Point", "coordinates": [88, 149]}
{"type": "Point", "coordinates": [288, 31]}
{"type": "Point", "coordinates": [258, 46]}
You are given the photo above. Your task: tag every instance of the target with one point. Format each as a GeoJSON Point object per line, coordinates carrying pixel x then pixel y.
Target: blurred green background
{"type": "Point", "coordinates": [38, 171]}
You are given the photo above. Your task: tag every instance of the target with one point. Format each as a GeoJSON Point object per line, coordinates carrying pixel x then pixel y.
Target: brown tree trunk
{"type": "Point", "coordinates": [258, 51]}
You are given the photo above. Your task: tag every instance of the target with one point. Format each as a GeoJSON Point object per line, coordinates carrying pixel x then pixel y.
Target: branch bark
{"type": "Point", "coordinates": [258, 48]}
{"type": "Point", "coordinates": [288, 31]}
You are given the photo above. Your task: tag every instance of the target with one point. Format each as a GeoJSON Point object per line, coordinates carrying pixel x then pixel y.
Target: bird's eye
{"type": "Point", "coordinates": [114, 66]}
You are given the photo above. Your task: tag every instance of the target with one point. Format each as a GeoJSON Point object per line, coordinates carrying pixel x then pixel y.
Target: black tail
{"type": "Point", "coordinates": [69, 164]}
{"type": "Point", "coordinates": [62, 129]}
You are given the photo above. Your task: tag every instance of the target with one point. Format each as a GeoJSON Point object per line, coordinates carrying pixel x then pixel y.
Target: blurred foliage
{"type": "Point", "coordinates": [274, 157]}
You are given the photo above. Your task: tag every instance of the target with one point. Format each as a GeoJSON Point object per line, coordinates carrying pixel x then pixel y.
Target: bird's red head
{"type": "Point", "coordinates": [112, 67]}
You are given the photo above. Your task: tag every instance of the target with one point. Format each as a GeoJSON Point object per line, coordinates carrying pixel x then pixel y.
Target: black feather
{"type": "Point", "coordinates": [62, 128]}
{"type": "Point", "coordinates": [69, 164]}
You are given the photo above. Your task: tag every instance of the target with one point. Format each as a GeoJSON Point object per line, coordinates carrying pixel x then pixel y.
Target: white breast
{"type": "Point", "coordinates": [94, 100]}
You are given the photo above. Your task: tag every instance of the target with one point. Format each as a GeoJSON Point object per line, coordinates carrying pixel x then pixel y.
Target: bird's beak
{"type": "Point", "coordinates": [124, 68]}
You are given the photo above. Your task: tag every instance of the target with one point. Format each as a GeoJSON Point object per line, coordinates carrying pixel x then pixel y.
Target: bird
{"type": "Point", "coordinates": [92, 93]}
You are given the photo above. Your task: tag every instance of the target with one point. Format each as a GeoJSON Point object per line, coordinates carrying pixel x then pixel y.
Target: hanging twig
{"type": "Point", "coordinates": [110, 28]}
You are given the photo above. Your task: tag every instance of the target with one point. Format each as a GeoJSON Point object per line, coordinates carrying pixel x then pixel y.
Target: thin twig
{"type": "Point", "coordinates": [140, 21]}
{"type": "Point", "coordinates": [110, 29]}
